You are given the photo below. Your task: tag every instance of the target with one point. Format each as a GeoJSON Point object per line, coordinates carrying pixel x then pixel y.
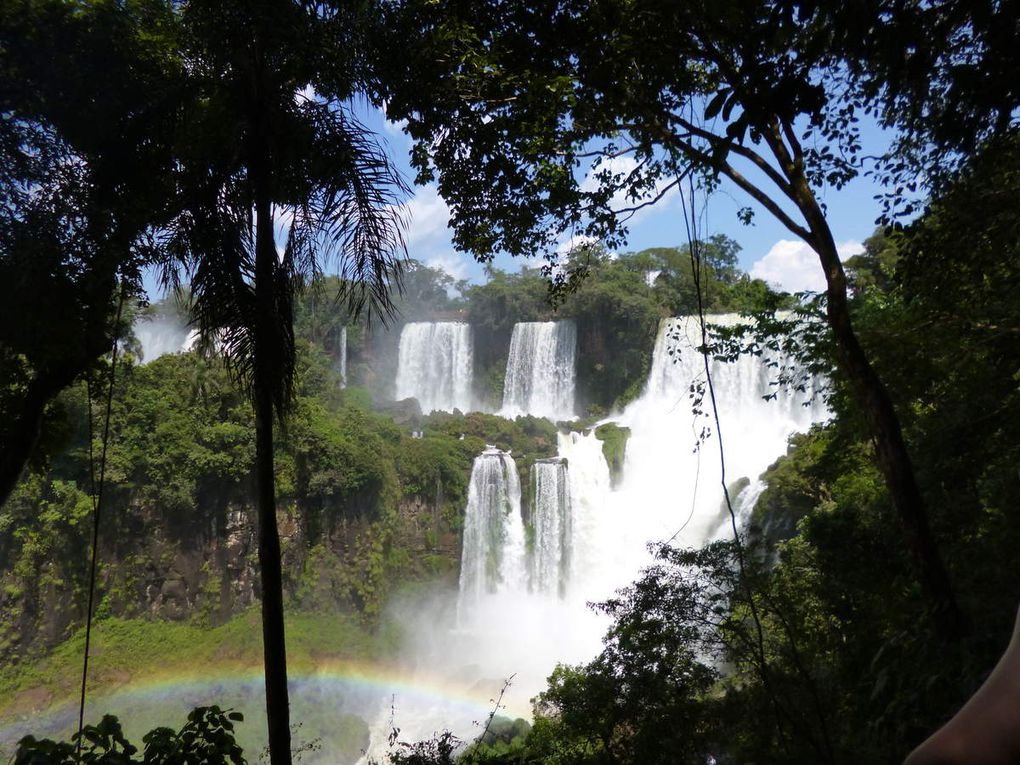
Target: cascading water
{"type": "Point", "coordinates": [493, 553]}
{"type": "Point", "coordinates": [669, 439]}
{"type": "Point", "coordinates": [589, 539]}
{"type": "Point", "coordinates": [540, 370]}
{"type": "Point", "coordinates": [343, 357]}
{"type": "Point", "coordinates": [435, 365]}
{"type": "Point", "coordinates": [670, 487]}
{"type": "Point", "coordinates": [552, 525]}
{"type": "Point", "coordinates": [161, 335]}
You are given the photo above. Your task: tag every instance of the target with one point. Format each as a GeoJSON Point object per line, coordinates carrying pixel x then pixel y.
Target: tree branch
{"type": "Point", "coordinates": [743, 151]}
{"type": "Point", "coordinates": [756, 193]}
{"type": "Point", "coordinates": [791, 138]}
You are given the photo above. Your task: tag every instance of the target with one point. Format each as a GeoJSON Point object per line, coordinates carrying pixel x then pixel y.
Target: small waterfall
{"type": "Point", "coordinates": [553, 527]}
{"type": "Point", "coordinates": [589, 488]}
{"type": "Point", "coordinates": [343, 357]}
{"type": "Point", "coordinates": [435, 365]}
{"type": "Point", "coordinates": [493, 554]}
{"type": "Point", "coordinates": [161, 335]}
{"type": "Point", "coordinates": [540, 370]}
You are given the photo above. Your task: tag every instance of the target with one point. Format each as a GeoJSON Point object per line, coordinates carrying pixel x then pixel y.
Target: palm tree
{"type": "Point", "coordinates": [269, 144]}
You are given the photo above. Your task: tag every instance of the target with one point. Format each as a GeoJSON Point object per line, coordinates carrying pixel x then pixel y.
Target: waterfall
{"type": "Point", "coordinates": [493, 552]}
{"type": "Point", "coordinates": [435, 365]}
{"type": "Point", "coordinates": [162, 334]}
{"type": "Point", "coordinates": [671, 468]}
{"type": "Point", "coordinates": [540, 370]}
{"type": "Point", "coordinates": [523, 608]}
{"type": "Point", "coordinates": [343, 357]}
{"type": "Point", "coordinates": [552, 527]}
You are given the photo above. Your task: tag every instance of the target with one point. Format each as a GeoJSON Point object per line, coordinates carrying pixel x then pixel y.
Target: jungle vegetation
{"type": "Point", "coordinates": [146, 134]}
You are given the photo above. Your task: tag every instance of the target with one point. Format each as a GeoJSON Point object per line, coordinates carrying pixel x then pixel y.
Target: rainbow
{"type": "Point", "coordinates": [373, 691]}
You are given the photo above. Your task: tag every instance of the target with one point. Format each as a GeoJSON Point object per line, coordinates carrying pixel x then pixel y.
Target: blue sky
{"type": "Point", "coordinates": [768, 249]}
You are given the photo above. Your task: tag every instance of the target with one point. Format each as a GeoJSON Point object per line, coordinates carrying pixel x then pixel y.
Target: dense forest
{"type": "Point", "coordinates": [265, 499]}
{"type": "Point", "coordinates": [369, 510]}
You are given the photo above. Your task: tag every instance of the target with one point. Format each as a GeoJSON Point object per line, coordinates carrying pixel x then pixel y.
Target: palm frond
{"type": "Point", "coordinates": [353, 218]}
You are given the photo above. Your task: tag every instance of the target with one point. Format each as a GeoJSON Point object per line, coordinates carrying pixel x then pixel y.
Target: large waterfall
{"type": "Point", "coordinates": [524, 589]}
{"type": "Point", "coordinates": [493, 553]}
{"type": "Point", "coordinates": [552, 525]}
{"type": "Point", "coordinates": [540, 370]}
{"type": "Point", "coordinates": [435, 365]}
{"type": "Point", "coordinates": [586, 539]}
{"type": "Point", "coordinates": [672, 469]}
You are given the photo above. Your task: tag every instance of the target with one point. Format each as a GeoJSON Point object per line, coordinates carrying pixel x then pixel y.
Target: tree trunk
{"type": "Point", "coordinates": [876, 404]}
{"type": "Point", "coordinates": [273, 635]}
{"type": "Point", "coordinates": [20, 435]}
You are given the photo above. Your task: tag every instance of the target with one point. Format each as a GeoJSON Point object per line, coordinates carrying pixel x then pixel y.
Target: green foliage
{"type": "Point", "coordinates": [432, 469]}
{"type": "Point", "coordinates": [369, 508]}
{"type": "Point", "coordinates": [502, 741]}
{"type": "Point", "coordinates": [526, 436]}
{"type": "Point", "coordinates": [85, 175]}
{"type": "Point", "coordinates": [614, 447]}
{"type": "Point", "coordinates": [617, 317]}
{"type": "Point", "coordinates": [616, 301]}
{"type": "Point", "coordinates": [644, 699]}
{"type": "Point", "coordinates": [439, 750]}
{"type": "Point", "coordinates": [795, 486]}
{"type": "Point", "coordinates": [426, 292]}
{"type": "Point", "coordinates": [206, 738]}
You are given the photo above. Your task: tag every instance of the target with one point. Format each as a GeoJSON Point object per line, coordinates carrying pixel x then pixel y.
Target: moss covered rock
{"type": "Point", "coordinates": [614, 447]}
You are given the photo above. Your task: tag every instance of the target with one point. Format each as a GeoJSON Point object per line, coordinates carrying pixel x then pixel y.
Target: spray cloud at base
{"type": "Point", "coordinates": [521, 609]}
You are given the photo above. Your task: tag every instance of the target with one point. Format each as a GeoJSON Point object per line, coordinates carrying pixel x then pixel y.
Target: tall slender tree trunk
{"type": "Point", "coordinates": [266, 342]}
{"type": "Point", "coordinates": [876, 404]}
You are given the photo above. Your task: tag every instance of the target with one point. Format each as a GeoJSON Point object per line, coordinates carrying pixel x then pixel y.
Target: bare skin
{"type": "Point", "coordinates": [986, 731]}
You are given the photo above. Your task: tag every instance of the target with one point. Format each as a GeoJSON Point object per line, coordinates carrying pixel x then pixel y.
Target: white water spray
{"type": "Point", "coordinates": [540, 370]}
{"type": "Point", "coordinates": [161, 335]}
{"type": "Point", "coordinates": [435, 365]}
{"type": "Point", "coordinates": [552, 524]}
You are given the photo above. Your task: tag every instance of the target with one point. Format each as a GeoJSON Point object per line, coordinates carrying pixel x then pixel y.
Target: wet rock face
{"type": "Point", "coordinates": [206, 566]}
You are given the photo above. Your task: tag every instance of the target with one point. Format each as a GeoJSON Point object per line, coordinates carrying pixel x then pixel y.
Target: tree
{"type": "Point", "coordinates": [426, 292]}
{"type": "Point", "coordinates": [642, 699]}
{"type": "Point", "coordinates": [944, 74]}
{"type": "Point", "coordinates": [87, 93]}
{"type": "Point", "coordinates": [207, 737]}
{"type": "Point", "coordinates": [511, 105]}
{"type": "Point", "coordinates": [268, 138]}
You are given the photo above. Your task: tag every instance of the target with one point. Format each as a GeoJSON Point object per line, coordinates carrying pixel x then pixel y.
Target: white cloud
{"type": "Point", "coordinates": [573, 242]}
{"type": "Point", "coordinates": [792, 266]}
{"type": "Point", "coordinates": [456, 264]}
{"type": "Point", "coordinates": [428, 233]}
{"type": "Point", "coordinates": [619, 168]}
{"type": "Point", "coordinates": [849, 249]}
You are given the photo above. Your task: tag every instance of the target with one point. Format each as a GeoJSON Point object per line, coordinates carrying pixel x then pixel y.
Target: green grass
{"type": "Point", "coordinates": [128, 650]}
